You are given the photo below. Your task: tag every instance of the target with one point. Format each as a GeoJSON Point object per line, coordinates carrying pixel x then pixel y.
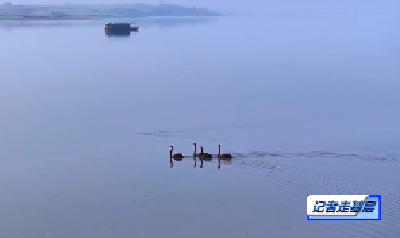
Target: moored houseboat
{"type": "Point", "coordinates": [119, 27]}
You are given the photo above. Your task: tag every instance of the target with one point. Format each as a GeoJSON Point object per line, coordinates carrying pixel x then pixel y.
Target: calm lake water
{"type": "Point", "coordinates": [310, 104]}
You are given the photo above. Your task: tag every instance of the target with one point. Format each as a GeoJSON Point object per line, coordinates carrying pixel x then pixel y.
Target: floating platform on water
{"type": "Point", "coordinates": [119, 27]}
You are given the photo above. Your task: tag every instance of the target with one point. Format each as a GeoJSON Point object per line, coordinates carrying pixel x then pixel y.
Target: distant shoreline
{"type": "Point", "coordinates": [97, 12]}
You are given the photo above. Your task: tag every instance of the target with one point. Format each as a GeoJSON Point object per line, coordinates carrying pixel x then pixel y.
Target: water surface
{"type": "Point", "coordinates": [308, 103]}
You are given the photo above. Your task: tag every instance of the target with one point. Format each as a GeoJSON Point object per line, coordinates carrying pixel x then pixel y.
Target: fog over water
{"type": "Point", "coordinates": [307, 104]}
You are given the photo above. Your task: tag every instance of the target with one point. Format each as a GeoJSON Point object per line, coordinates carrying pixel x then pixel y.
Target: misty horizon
{"type": "Point", "coordinates": [313, 6]}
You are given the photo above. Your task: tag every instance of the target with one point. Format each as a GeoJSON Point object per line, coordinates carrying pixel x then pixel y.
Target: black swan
{"type": "Point", "coordinates": [204, 156]}
{"type": "Point", "coordinates": [177, 156]}
{"type": "Point", "coordinates": [195, 150]}
{"type": "Point", "coordinates": [224, 156]}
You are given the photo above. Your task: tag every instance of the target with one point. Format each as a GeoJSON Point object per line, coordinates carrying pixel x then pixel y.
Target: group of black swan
{"type": "Point", "coordinates": [202, 155]}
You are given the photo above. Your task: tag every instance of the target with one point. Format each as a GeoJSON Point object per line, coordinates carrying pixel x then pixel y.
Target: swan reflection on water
{"type": "Point", "coordinates": [220, 161]}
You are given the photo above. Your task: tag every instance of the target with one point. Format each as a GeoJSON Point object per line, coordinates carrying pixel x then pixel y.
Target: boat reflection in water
{"type": "Point", "coordinates": [201, 165]}
{"type": "Point", "coordinates": [117, 34]}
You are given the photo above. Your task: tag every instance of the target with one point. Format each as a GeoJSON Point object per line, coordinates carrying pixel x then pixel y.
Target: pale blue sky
{"type": "Point", "coordinates": [377, 6]}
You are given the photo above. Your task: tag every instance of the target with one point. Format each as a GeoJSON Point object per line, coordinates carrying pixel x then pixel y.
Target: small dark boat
{"type": "Point", "coordinates": [119, 27]}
